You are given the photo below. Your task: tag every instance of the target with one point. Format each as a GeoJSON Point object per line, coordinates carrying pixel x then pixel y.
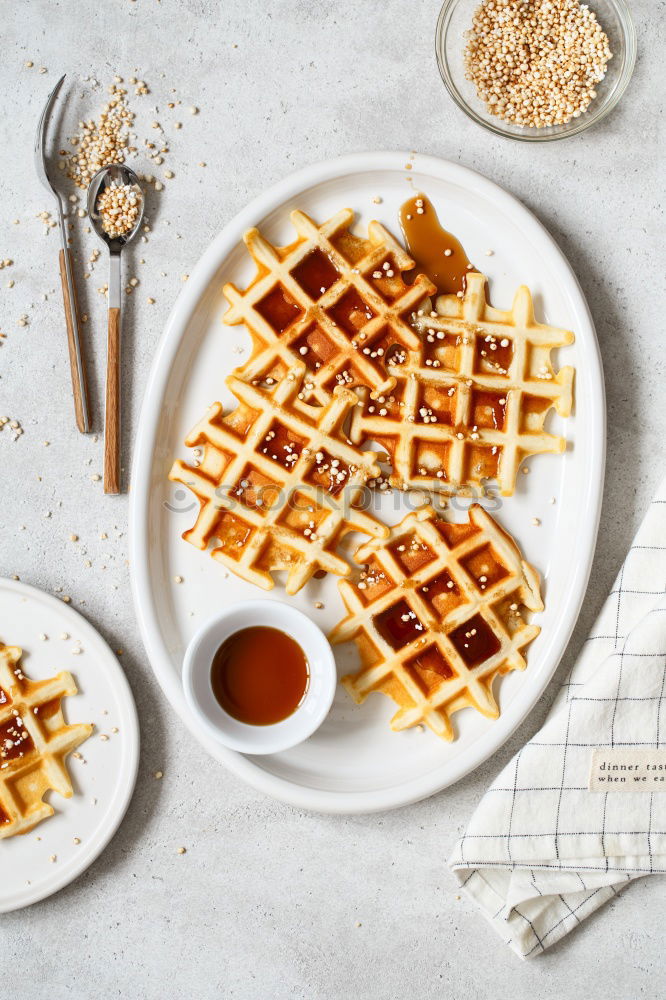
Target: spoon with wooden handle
{"type": "Point", "coordinates": [115, 207]}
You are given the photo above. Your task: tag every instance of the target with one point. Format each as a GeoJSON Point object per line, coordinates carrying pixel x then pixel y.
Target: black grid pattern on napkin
{"type": "Point", "coordinates": [549, 819]}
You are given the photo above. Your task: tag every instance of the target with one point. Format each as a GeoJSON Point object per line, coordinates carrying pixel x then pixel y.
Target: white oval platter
{"type": "Point", "coordinates": [355, 763]}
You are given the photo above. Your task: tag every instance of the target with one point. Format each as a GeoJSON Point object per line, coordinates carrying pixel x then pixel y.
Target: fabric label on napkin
{"type": "Point", "coordinates": [616, 770]}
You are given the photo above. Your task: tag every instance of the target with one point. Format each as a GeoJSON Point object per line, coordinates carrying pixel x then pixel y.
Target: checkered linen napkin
{"type": "Point", "coordinates": [542, 851]}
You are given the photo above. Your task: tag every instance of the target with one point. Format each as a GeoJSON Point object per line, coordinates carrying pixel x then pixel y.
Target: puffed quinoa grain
{"type": "Point", "coordinates": [102, 142]}
{"type": "Point", "coordinates": [536, 63]}
{"type": "Point", "coordinates": [119, 206]}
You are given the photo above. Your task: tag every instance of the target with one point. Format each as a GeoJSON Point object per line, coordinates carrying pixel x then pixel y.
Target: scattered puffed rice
{"type": "Point", "coordinates": [119, 206]}
{"type": "Point", "coordinates": [536, 64]}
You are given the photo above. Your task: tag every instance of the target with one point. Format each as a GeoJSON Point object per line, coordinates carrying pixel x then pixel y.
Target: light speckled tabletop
{"type": "Point", "coordinates": [266, 901]}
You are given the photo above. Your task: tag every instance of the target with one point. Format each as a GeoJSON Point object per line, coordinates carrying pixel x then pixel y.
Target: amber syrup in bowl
{"type": "Point", "coordinates": [259, 677]}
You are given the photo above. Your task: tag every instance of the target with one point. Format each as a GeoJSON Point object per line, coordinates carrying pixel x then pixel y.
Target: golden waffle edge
{"type": "Point", "coordinates": [471, 404]}
{"type": "Point", "coordinates": [277, 491]}
{"type": "Point", "coordinates": [436, 614]}
{"type": "Point", "coordinates": [332, 300]}
{"type": "Point", "coordinates": [34, 742]}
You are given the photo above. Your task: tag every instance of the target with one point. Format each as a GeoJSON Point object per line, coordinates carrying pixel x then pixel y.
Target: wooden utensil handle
{"type": "Point", "coordinates": [112, 416]}
{"type": "Point", "coordinates": [79, 382]}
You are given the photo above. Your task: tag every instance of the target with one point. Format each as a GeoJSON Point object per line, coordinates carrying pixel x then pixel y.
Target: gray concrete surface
{"type": "Point", "coordinates": [265, 902]}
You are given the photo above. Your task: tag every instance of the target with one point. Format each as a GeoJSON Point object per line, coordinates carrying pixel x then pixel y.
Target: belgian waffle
{"type": "Point", "coordinates": [277, 491]}
{"type": "Point", "coordinates": [471, 403]}
{"type": "Point", "coordinates": [437, 615]}
{"type": "Point", "coordinates": [34, 742]}
{"type": "Point", "coordinates": [332, 301]}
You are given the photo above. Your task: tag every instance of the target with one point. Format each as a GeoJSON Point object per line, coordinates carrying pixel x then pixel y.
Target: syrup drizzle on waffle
{"type": "Point", "coordinates": [436, 613]}
{"type": "Point", "coordinates": [331, 300]}
{"type": "Point", "coordinates": [471, 404]}
{"type": "Point", "coordinates": [34, 742]}
{"type": "Point", "coordinates": [276, 490]}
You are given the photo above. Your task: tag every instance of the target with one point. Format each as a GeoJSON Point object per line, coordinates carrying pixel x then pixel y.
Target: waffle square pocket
{"type": "Point", "coordinates": [437, 613]}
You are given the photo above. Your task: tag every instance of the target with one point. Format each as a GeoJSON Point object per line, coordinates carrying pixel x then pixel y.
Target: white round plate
{"type": "Point", "coordinates": [104, 776]}
{"type": "Point", "coordinates": [355, 763]}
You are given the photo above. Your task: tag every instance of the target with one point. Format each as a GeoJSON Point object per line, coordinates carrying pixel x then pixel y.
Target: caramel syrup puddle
{"type": "Point", "coordinates": [437, 253]}
{"type": "Point", "coordinates": [259, 675]}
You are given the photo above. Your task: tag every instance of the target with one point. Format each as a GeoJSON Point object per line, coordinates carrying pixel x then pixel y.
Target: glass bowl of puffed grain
{"type": "Point", "coordinates": [535, 70]}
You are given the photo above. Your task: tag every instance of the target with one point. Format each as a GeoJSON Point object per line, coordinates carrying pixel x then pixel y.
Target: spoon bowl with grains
{"type": "Point", "coordinates": [115, 207]}
{"type": "Point", "coordinates": [535, 70]}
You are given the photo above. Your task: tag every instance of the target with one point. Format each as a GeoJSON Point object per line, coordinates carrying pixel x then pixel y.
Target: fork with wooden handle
{"type": "Point", "coordinates": [74, 345]}
{"type": "Point", "coordinates": [79, 383]}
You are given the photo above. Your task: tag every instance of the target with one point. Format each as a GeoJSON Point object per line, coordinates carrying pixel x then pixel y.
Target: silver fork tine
{"type": "Point", "coordinates": [40, 139]}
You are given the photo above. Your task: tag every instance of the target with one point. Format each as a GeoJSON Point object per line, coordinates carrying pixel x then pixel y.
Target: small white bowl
{"type": "Point", "coordinates": [239, 735]}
